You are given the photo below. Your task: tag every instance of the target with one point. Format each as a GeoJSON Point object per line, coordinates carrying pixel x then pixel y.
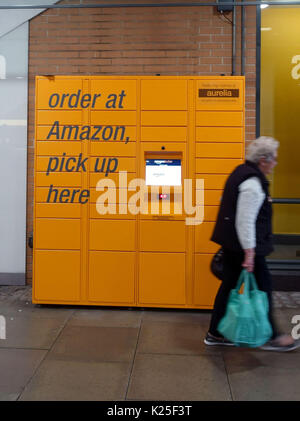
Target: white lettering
{"type": "Point", "coordinates": [108, 197]}
{"type": "Point", "coordinates": [296, 329]}
{"type": "Point", "coordinates": [2, 327]}
{"type": "Point", "coordinates": [296, 70]}
{"type": "Point", "coordinates": [159, 198]}
{"type": "Point", "coordinates": [133, 412]}
{"type": "Point", "coordinates": [188, 201]}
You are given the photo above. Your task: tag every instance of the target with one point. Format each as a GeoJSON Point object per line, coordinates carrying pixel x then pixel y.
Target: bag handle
{"type": "Point", "coordinates": [252, 280]}
{"type": "Point", "coordinates": [248, 279]}
{"type": "Point", "coordinates": [243, 279]}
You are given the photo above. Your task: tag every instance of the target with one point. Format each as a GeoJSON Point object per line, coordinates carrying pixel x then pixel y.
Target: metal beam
{"type": "Point", "coordinates": [286, 201]}
{"type": "Point", "coordinates": [125, 5]}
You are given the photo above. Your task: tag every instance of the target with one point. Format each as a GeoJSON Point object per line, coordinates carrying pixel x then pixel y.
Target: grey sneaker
{"type": "Point", "coordinates": [274, 346]}
{"type": "Point", "coordinates": [213, 340]}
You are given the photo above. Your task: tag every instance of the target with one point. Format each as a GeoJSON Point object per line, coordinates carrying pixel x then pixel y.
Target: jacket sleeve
{"type": "Point", "coordinates": [250, 200]}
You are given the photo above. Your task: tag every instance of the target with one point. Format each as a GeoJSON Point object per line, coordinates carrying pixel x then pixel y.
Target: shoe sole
{"type": "Point", "coordinates": [281, 348]}
{"type": "Point", "coordinates": [217, 343]}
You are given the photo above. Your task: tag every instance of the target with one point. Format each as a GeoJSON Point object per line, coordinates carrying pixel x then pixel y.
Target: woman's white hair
{"type": "Point", "coordinates": [262, 147]}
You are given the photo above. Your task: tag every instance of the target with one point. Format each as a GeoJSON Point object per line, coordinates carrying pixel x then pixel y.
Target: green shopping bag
{"type": "Point", "coordinates": [246, 322]}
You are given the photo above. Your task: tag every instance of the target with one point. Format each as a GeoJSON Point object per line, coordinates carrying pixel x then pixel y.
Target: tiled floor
{"type": "Point", "coordinates": [107, 354]}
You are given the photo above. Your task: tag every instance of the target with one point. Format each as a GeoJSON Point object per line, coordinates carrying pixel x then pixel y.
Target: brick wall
{"type": "Point", "coordinates": [135, 41]}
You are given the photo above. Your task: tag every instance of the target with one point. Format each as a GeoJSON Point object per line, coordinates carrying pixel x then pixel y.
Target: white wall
{"type": "Point", "coordinates": [13, 154]}
{"type": "Point", "coordinates": [13, 139]}
{"type": "Point", "coordinates": [11, 18]}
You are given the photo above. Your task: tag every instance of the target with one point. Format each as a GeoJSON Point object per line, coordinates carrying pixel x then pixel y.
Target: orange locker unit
{"type": "Point", "coordinates": [129, 173]}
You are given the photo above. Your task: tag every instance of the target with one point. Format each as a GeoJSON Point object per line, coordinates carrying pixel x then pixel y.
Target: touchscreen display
{"type": "Point", "coordinates": [163, 172]}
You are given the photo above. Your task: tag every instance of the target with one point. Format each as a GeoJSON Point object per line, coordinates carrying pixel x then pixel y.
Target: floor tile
{"type": "Point", "coordinates": [263, 375]}
{"type": "Point", "coordinates": [173, 338]}
{"type": "Point", "coordinates": [58, 380]}
{"type": "Point", "coordinates": [31, 331]}
{"type": "Point", "coordinates": [86, 343]}
{"type": "Point", "coordinates": [36, 310]}
{"type": "Point", "coordinates": [265, 384]}
{"type": "Point", "coordinates": [176, 377]}
{"type": "Point", "coordinates": [255, 358]}
{"type": "Point", "coordinates": [106, 318]}
{"type": "Point", "coordinates": [17, 366]}
{"type": "Point", "coordinates": [178, 316]}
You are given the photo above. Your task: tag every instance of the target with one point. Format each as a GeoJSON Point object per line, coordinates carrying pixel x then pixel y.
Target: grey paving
{"type": "Point", "coordinates": [178, 377]}
{"type": "Point", "coordinates": [17, 367]}
{"type": "Point", "coordinates": [66, 353]}
{"type": "Point", "coordinates": [263, 376]}
{"type": "Point", "coordinates": [98, 344]}
{"type": "Point", "coordinates": [73, 380]}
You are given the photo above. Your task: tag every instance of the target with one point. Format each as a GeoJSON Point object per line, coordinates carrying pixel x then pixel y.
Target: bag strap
{"type": "Point", "coordinates": [252, 280]}
{"type": "Point", "coordinates": [243, 279]}
{"type": "Point", "coordinates": [248, 279]}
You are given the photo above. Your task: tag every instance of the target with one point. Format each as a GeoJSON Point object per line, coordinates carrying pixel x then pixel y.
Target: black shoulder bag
{"type": "Point", "coordinates": [216, 265]}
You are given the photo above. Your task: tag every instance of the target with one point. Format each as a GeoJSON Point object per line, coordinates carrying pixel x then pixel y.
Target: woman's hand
{"type": "Point", "coordinates": [248, 262]}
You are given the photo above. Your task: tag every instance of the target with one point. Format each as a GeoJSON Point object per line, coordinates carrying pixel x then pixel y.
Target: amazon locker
{"type": "Point", "coordinates": [129, 173]}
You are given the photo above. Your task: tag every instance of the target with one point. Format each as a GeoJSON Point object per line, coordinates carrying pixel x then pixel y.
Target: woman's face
{"type": "Point", "coordinates": [267, 166]}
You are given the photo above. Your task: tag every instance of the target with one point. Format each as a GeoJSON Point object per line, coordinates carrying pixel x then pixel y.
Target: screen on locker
{"type": "Point", "coordinates": [163, 172]}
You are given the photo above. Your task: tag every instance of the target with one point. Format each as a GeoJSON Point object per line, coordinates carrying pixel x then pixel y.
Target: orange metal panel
{"type": "Point", "coordinates": [68, 179]}
{"type": "Point", "coordinates": [162, 278]}
{"type": "Point", "coordinates": [44, 165]}
{"type": "Point", "coordinates": [57, 276]}
{"type": "Point", "coordinates": [163, 134]}
{"type": "Point", "coordinates": [57, 234]}
{"type": "Point", "coordinates": [219, 150]}
{"type": "Point", "coordinates": [219, 134]}
{"type": "Point", "coordinates": [58, 147]}
{"type": "Point", "coordinates": [210, 213]}
{"type": "Point", "coordinates": [213, 181]}
{"type": "Point", "coordinates": [206, 213]}
{"type": "Point", "coordinates": [112, 164]}
{"type": "Point", "coordinates": [114, 134]}
{"type": "Point", "coordinates": [62, 117]}
{"type": "Point", "coordinates": [155, 212]}
{"type": "Point", "coordinates": [214, 166]}
{"type": "Point", "coordinates": [203, 234]}
{"type": "Point", "coordinates": [166, 236]}
{"type": "Point", "coordinates": [62, 132]}
{"type": "Point", "coordinates": [163, 118]}
{"type": "Point", "coordinates": [58, 210]}
{"type": "Point", "coordinates": [219, 118]}
{"type": "Point", "coordinates": [119, 179]}
{"type": "Point", "coordinates": [116, 235]}
{"type": "Point", "coordinates": [115, 118]}
{"type": "Point", "coordinates": [112, 277]}
{"type": "Point", "coordinates": [114, 93]}
{"type": "Point", "coordinates": [164, 94]}
{"type": "Point", "coordinates": [111, 194]}
{"type": "Point", "coordinates": [113, 149]}
{"type": "Point", "coordinates": [118, 212]}
{"type": "Point", "coordinates": [212, 197]}
{"type": "Point", "coordinates": [57, 88]}
{"type": "Point", "coordinates": [59, 194]}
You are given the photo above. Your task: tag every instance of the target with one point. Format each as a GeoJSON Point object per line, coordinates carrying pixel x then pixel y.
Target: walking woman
{"type": "Point", "coordinates": [244, 230]}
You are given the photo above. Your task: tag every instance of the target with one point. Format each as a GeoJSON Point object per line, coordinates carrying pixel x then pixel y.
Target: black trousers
{"type": "Point", "coordinates": [232, 269]}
